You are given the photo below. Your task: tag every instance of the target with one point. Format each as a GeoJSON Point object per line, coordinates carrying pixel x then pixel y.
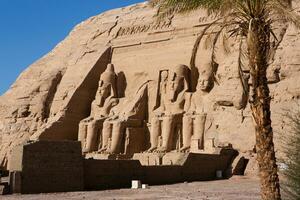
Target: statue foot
{"type": "Point", "coordinates": [85, 151]}
{"type": "Point", "coordinates": [102, 150]}
{"type": "Point", "coordinates": [151, 150]}
{"type": "Point", "coordinates": [110, 152]}
{"type": "Point", "coordinates": [161, 150]}
{"type": "Point", "coordinates": [184, 149]}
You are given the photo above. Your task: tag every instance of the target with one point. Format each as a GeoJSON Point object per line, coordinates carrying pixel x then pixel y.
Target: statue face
{"type": "Point", "coordinates": [164, 76]}
{"type": "Point", "coordinates": [103, 92]}
{"type": "Point", "coordinates": [175, 86]}
{"type": "Point", "coordinates": [203, 84]}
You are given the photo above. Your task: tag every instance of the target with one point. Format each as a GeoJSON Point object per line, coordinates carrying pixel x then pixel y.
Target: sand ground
{"type": "Point", "coordinates": [236, 188]}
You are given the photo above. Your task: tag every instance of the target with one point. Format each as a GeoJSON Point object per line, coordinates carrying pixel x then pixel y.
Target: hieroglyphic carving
{"type": "Point", "coordinates": [135, 29]}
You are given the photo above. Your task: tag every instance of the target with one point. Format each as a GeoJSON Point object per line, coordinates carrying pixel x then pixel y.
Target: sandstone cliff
{"type": "Point", "coordinates": [49, 99]}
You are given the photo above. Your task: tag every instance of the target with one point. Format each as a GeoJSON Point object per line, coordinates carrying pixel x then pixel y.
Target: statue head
{"type": "Point", "coordinates": [107, 85]}
{"type": "Point", "coordinates": [178, 82]}
{"type": "Point", "coordinates": [205, 81]}
{"type": "Point", "coordinates": [164, 76]}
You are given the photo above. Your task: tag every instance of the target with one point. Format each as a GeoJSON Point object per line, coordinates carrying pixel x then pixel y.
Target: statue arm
{"type": "Point", "coordinates": [96, 101]}
{"type": "Point", "coordinates": [189, 106]}
{"type": "Point", "coordinates": [94, 108]}
{"type": "Point", "coordinates": [112, 102]}
{"type": "Point", "coordinates": [160, 111]}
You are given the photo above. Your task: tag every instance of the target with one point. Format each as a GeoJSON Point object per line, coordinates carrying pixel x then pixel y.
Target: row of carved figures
{"type": "Point", "coordinates": [177, 111]}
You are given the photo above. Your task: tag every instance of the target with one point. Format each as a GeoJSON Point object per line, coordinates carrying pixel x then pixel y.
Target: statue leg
{"type": "Point", "coordinates": [82, 134]}
{"type": "Point", "coordinates": [199, 129]}
{"type": "Point", "coordinates": [167, 133]}
{"type": "Point", "coordinates": [117, 135]}
{"type": "Point", "coordinates": [187, 131]}
{"type": "Point", "coordinates": [91, 138]}
{"type": "Point", "coordinates": [154, 133]}
{"type": "Point", "coordinates": [106, 134]}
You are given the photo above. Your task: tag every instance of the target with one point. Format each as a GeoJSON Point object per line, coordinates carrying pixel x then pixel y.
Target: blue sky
{"type": "Point", "coordinates": [31, 28]}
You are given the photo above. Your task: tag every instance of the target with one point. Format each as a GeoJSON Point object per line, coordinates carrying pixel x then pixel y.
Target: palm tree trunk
{"type": "Point", "coordinates": [258, 49]}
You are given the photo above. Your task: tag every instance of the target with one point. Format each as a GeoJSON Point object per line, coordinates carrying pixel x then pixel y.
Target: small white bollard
{"type": "Point", "coordinates": [145, 186]}
{"type": "Point", "coordinates": [219, 174]}
{"type": "Point", "coordinates": [136, 184]}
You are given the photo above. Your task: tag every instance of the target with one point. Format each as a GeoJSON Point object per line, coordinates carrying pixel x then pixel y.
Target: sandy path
{"type": "Point", "coordinates": [236, 188]}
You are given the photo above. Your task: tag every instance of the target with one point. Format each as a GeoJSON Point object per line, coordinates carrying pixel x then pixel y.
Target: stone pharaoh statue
{"type": "Point", "coordinates": [195, 118]}
{"type": "Point", "coordinates": [167, 120]}
{"type": "Point", "coordinates": [131, 114]}
{"type": "Point", "coordinates": [105, 100]}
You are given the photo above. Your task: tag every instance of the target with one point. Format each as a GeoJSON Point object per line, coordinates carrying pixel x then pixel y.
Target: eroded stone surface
{"type": "Point", "coordinates": [52, 96]}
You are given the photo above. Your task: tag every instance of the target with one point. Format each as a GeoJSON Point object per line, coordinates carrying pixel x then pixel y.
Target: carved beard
{"type": "Point", "coordinates": [173, 94]}
{"type": "Point", "coordinates": [101, 100]}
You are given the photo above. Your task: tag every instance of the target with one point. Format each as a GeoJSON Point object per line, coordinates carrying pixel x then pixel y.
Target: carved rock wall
{"type": "Point", "coordinates": [49, 98]}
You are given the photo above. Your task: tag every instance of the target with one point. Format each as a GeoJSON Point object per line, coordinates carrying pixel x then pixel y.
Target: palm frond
{"type": "Point", "coordinates": [281, 10]}
{"type": "Point", "coordinates": [168, 7]}
{"type": "Point", "coordinates": [208, 40]}
{"type": "Point", "coordinates": [242, 78]}
{"type": "Point", "coordinates": [225, 44]}
{"type": "Point", "coordinates": [198, 40]}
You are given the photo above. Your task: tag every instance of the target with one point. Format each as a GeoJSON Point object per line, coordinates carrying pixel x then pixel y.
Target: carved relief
{"type": "Point", "coordinates": [179, 118]}
{"type": "Point", "coordinates": [131, 30]}
{"type": "Point", "coordinates": [105, 100]}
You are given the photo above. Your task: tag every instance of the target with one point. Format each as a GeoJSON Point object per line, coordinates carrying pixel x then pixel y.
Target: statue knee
{"type": "Point", "coordinates": [169, 119]}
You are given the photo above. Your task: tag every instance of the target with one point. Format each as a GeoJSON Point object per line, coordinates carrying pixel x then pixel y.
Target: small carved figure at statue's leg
{"type": "Point", "coordinates": [200, 129]}
{"type": "Point", "coordinates": [187, 132]}
{"type": "Point", "coordinates": [106, 134]}
{"type": "Point", "coordinates": [154, 133]}
{"type": "Point", "coordinates": [185, 149]}
{"type": "Point", "coordinates": [162, 149]}
{"type": "Point", "coordinates": [82, 134]}
{"type": "Point", "coordinates": [117, 135]}
{"type": "Point", "coordinates": [151, 149]}
{"type": "Point", "coordinates": [168, 130]}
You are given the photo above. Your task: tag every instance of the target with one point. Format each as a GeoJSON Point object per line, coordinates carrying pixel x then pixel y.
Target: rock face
{"type": "Point", "coordinates": [50, 99]}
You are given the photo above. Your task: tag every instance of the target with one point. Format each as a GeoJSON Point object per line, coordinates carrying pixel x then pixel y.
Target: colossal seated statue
{"type": "Point", "coordinates": [132, 114]}
{"type": "Point", "coordinates": [195, 118]}
{"type": "Point", "coordinates": [167, 119]}
{"type": "Point", "coordinates": [105, 100]}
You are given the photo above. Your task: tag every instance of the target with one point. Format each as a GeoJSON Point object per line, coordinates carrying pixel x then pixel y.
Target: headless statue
{"type": "Point", "coordinates": [132, 115]}
{"type": "Point", "coordinates": [168, 116]}
{"type": "Point", "coordinates": [105, 100]}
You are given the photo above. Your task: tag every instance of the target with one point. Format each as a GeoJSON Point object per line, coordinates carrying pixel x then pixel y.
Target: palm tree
{"type": "Point", "coordinates": [251, 22]}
